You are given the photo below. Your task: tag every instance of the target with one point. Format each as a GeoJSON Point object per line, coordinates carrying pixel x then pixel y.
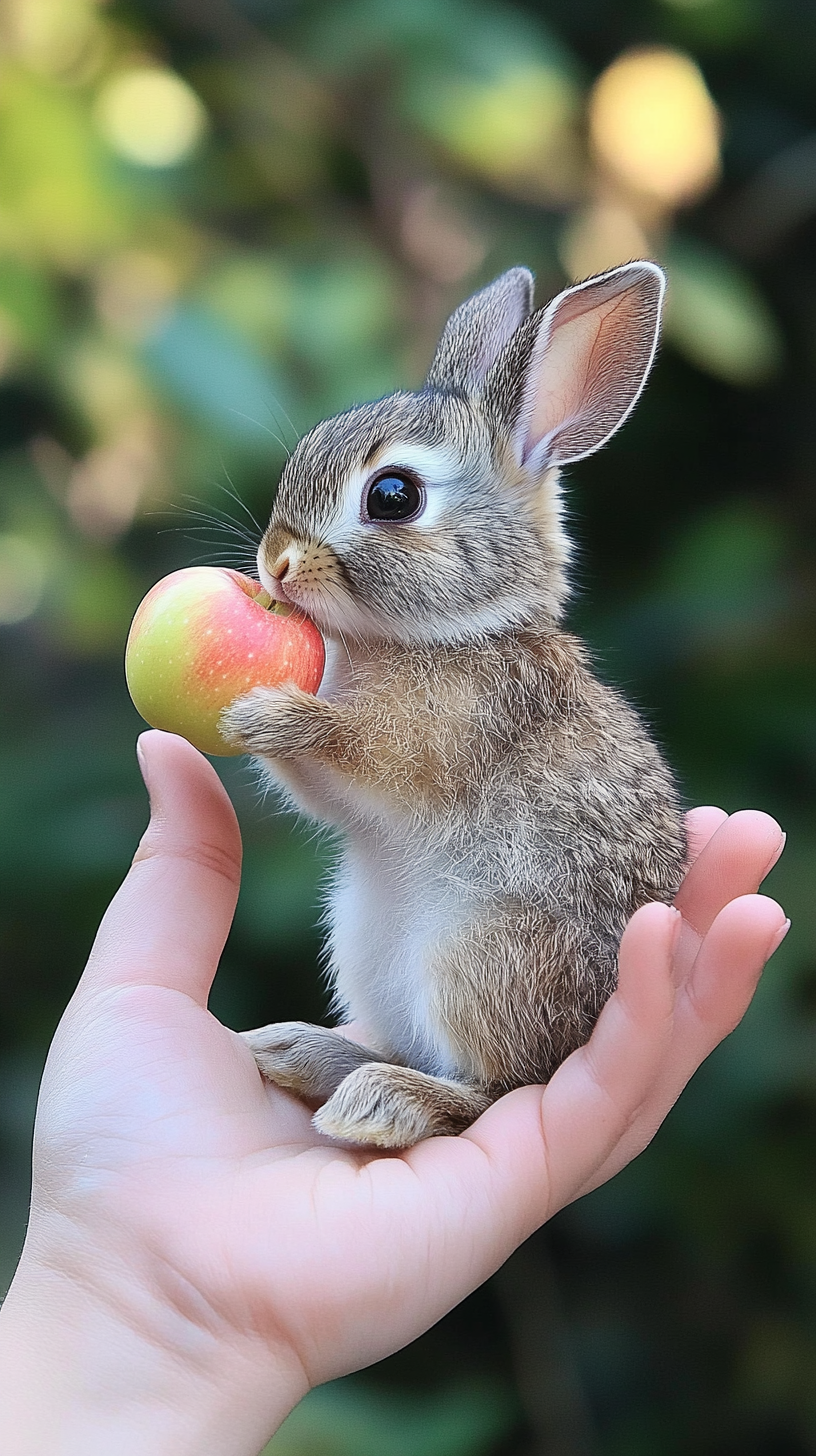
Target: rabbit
{"type": "Point", "coordinates": [503, 812]}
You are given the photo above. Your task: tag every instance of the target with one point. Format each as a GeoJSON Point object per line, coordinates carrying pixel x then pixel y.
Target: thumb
{"type": "Point", "coordinates": [167, 924]}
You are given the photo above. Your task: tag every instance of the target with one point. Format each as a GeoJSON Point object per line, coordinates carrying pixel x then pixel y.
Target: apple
{"type": "Point", "coordinates": [205, 635]}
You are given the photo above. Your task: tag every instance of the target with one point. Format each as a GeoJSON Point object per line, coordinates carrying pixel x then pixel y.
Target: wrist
{"type": "Point", "coordinates": [99, 1364]}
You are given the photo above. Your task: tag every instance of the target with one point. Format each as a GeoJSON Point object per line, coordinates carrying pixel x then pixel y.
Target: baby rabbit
{"type": "Point", "coordinates": [503, 812]}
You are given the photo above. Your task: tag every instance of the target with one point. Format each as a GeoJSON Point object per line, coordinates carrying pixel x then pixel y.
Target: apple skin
{"type": "Point", "coordinates": [204, 636]}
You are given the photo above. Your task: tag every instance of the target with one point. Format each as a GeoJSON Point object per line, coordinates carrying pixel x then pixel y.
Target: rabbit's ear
{"type": "Point", "coordinates": [481, 327]}
{"type": "Point", "coordinates": [577, 369]}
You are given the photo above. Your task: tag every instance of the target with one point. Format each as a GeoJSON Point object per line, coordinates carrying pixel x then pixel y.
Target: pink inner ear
{"type": "Point", "coordinates": [592, 366]}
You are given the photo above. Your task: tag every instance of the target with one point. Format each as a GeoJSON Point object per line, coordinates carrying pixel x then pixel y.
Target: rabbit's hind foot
{"type": "Point", "coordinates": [388, 1106]}
{"type": "Point", "coordinates": [309, 1061]}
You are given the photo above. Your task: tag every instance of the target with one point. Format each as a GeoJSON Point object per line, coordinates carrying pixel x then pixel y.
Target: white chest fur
{"type": "Point", "coordinates": [389, 908]}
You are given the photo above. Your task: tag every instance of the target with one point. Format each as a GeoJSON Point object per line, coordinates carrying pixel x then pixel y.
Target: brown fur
{"type": "Point", "coordinates": [429, 730]}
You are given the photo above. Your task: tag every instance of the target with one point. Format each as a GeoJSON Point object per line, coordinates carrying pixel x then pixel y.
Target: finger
{"type": "Point", "coordinates": [713, 1001]}
{"type": "Point", "coordinates": [701, 824]}
{"type": "Point", "coordinates": [622, 1058]}
{"type": "Point", "coordinates": [724, 977]}
{"type": "Point", "coordinates": [169, 921]}
{"type": "Point", "coordinates": [734, 862]}
{"type": "Point", "coordinates": [539, 1147]}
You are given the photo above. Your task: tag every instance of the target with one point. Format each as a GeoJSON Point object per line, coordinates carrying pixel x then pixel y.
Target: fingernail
{"type": "Point", "coordinates": [778, 938]}
{"type": "Point", "coordinates": [776, 854]}
{"type": "Point", "coordinates": [141, 759]}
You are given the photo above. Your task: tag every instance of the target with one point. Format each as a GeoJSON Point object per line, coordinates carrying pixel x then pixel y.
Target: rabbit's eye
{"type": "Point", "coordinates": [393, 498]}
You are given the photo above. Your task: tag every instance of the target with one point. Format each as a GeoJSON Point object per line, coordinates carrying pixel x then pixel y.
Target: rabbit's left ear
{"type": "Point", "coordinates": [476, 334]}
{"type": "Point", "coordinates": [574, 371]}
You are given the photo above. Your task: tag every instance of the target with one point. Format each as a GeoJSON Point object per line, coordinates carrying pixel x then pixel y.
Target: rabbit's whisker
{"type": "Point", "coordinates": [261, 426]}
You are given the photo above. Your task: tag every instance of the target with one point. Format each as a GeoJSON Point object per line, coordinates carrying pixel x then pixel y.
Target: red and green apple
{"type": "Point", "coordinates": [204, 636]}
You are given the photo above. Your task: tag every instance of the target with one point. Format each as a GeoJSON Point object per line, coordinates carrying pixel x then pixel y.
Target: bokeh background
{"type": "Point", "coordinates": [221, 220]}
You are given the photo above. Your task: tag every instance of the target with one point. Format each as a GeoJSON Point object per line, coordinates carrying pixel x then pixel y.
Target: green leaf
{"type": "Point", "coordinates": [220, 379]}
{"type": "Point", "coordinates": [28, 300]}
{"type": "Point", "coordinates": [717, 318]}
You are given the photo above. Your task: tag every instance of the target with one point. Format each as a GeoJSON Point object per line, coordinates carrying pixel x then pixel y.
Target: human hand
{"type": "Point", "coordinates": [198, 1257]}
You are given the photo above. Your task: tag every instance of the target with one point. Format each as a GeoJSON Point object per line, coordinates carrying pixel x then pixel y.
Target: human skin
{"type": "Point", "coordinates": [198, 1257]}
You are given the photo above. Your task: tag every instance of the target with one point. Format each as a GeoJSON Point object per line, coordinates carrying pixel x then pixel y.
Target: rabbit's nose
{"type": "Point", "coordinates": [285, 564]}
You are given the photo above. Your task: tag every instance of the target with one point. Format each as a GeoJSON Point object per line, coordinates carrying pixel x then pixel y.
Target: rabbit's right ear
{"type": "Point", "coordinates": [481, 327]}
{"type": "Point", "coordinates": [574, 371]}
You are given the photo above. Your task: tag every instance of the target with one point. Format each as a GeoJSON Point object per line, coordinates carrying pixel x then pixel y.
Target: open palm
{"type": "Point", "coordinates": [159, 1141]}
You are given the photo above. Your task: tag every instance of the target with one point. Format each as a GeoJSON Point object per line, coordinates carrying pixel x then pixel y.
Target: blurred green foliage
{"type": "Point", "coordinates": [346, 1419]}
{"type": "Point", "coordinates": [277, 226]}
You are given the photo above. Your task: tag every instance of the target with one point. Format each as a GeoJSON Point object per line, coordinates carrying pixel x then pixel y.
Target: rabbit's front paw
{"type": "Point", "coordinates": [275, 722]}
{"type": "Point", "coordinates": [385, 1106]}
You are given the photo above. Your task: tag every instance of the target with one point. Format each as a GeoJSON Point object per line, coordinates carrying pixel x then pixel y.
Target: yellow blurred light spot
{"type": "Point", "coordinates": [517, 129]}
{"type": "Point", "coordinates": [22, 578]}
{"type": "Point", "coordinates": [150, 116]}
{"type": "Point", "coordinates": [655, 126]}
{"type": "Point", "coordinates": [54, 37]}
{"type": "Point", "coordinates": [56, 202]}
{"type": "Point", "coordinates": [601, 237]}
{"type": "Point", "coordinates": [106, 385]}
{"type": "Point", "coordinates": [506, 125]}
